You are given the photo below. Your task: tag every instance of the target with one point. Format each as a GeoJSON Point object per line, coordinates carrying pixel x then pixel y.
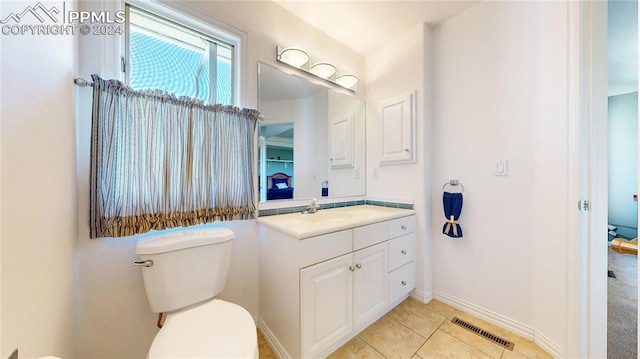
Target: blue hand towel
{"type": "Point", "coordinates": [452, 203]}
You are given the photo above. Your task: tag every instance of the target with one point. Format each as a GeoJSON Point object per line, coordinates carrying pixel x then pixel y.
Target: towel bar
{"type": "Point", "coordinates": [454, 183]}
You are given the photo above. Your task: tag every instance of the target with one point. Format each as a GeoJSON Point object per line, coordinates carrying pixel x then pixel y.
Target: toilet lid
{"type": "Point", "coordinates": [214, 329]}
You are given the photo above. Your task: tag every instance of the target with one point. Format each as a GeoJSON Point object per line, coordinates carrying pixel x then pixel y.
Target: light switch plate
{"type": "Point", "coordinates": [501, 168]}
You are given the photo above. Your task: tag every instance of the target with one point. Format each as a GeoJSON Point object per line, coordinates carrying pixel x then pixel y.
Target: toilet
{"type": "Point", "coordinates": [183, 272]}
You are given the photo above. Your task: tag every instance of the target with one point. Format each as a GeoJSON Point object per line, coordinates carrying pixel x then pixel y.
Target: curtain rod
{"type": "Point", "coordinates": [82, 82]}
{"type": "Point", "coordinates": [79, 81]}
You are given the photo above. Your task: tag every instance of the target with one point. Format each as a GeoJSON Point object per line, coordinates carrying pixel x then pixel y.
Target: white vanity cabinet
{"type": "Point", "coordinates": [402, 248]}
{"type": "Point", "coordinates": [317, 293]}
{"type": "Point", "coordinates": [326, 297]}
{"type": "Point", "coordinates": [339, 295]}
{"type": "Point", "coordinates": [370, 283]}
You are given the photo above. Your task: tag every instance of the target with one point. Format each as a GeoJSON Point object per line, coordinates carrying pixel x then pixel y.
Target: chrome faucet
{"type": "Point", "coordinates": [312, 208]}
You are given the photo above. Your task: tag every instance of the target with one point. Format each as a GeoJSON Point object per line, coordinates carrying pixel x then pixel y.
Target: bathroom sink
{"type": "Point", "coordinates": [326, 215]}
{"type": "Point", "coordinates": [331, 220]}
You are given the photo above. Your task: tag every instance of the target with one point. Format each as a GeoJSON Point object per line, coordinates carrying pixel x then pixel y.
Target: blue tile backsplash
{"type": "Point", "coordinates": [287, 210]}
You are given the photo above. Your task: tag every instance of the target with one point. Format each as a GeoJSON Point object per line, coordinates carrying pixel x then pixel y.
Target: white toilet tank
{"type": "Point", "coordinates": [188, 266]}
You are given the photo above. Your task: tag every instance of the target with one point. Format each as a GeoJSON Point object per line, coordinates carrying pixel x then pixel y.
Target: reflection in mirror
{"type": "Point", "coordinates": [276, 161]}
{"type": "Point", "coordinates": [326, 156]}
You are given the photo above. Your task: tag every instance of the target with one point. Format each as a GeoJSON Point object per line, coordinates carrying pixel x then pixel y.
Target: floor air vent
{"type": "Point", "coordinates": [483, 333]}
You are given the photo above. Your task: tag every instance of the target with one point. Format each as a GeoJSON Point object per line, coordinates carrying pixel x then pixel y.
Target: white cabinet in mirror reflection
{"type": "Point", "coordinates": [398, 129]}
{"type": "Point", "coordinates": [341, 142]}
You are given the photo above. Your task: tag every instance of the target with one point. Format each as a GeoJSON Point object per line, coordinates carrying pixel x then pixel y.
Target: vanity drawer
{"type": "Point", "coordinates": [320, 248]}
{"type": "Point", "coordinates": [402, 250]}
{"type": "Point", "coordinates": [401, 226]}
{"type": "Point", "coordinates": [366, 236]}
{"type": "Point", "coordinates": [402, 281]}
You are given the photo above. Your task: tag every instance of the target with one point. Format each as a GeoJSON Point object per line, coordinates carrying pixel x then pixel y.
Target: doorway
{"type": "Point", "coordinates": [622, 176]}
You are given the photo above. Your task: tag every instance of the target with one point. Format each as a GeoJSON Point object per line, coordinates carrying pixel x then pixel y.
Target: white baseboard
{"type": "Point", "coordinates": [421, 296]}
{"type": "Point", "coordinates": [501, 321]}
{"type": "Point", "coordinates": [482, 313]}
{"type": "Point", "coordinates": [278, 349]}
{"type": "Point", "coordinates": [548, 345]}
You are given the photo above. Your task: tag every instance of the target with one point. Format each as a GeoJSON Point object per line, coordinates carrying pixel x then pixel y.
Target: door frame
{"type": "Point", "coordinates": [587, 179]}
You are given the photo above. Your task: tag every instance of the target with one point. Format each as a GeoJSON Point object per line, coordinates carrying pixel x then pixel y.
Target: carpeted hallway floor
{"type": "Point", "coordinates": [622, 317]}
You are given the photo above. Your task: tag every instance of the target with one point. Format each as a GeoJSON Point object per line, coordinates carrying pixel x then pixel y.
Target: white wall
{"type": "Point", "coordinates": [317, 141]}
{"type": "Point", "coordinates": [114, 318]}
{"type": "Point", "coordinates": [396, 69]}
{"type": "Point", "coordinates": [623, 158]}
{"type": "Point", "coordinates": [500, 92]}
{"type": "Point", "coordinates": [550, 215]}
{"type": "Point", "coordinates": [351, 180]}
{"type": "Point", "coordinates": [39, 214]}
{"type": "Point", "coordinates": [483, 112]}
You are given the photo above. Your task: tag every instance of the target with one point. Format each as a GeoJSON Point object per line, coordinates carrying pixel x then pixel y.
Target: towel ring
{"type": "Point", "coordinates": [453, 183]}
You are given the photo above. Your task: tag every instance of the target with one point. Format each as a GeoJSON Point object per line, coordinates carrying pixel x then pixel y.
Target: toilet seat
{"type": "Point", "coordinates": [213, 329]}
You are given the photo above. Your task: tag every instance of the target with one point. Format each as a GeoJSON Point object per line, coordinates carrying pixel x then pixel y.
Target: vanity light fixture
{"type": "Point", "coordinates": [347, 80]}
{"type": "Point", "coordinates": [298, 58]}
{"type": "Point", "coordinates": [293, 56]}
{"type": "Point", "coordinates": [323, 69]}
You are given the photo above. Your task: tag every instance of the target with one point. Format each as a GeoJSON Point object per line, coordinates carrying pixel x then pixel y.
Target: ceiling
{"type": "Point", "coordinates": [283, 131]}
{"type": "Point", "coordinates": [365, 26]}
{"type": "Point", "coordinates": [622, 42]}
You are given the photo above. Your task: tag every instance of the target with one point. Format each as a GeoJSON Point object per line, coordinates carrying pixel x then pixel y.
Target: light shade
{"type": "Point", "coordinates": [293, 56]}
{"type": "Point", "coordinates": [323, 69]}
{"type": "Point", "coordinates": [300, 59]}
{"type": "Point", "coordinates": [347, 80]}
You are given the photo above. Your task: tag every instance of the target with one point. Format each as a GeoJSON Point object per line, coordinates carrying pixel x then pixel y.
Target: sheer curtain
{"type": "Point", "coordinates": [158, 161]}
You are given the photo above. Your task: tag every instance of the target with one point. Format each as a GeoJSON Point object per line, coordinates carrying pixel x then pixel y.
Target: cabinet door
{"type": "Point", "coordinates": [402, 250]}
{"type": "Point", "coordinates": [398, 130]}
{"type": "Point", "coordinates": [402, 281]}
{"type": "Point", "coordinates": [370, 283]}
{"type": "Point", "coordinates": [341, 142]}
{"type": "Point", "coordinates": [401, 226]}
{"type": "Point", "coordinates": [326, 300]}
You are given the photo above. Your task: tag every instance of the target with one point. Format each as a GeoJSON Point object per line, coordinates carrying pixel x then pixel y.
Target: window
{"type": "Point", "coordinates": [147, 170]}
{"type": "Point", "coordinates": [174, 58]}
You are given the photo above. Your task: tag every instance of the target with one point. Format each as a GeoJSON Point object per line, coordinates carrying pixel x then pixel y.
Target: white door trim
{"type": "Point", "coordinates": [587, 179]}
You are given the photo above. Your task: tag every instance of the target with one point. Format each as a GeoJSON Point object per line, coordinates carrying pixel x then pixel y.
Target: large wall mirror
{"type": "Point", "coordinates": [312, 141]}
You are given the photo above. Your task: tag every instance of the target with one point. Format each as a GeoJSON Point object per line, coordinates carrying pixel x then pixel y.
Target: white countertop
{"type": "Point", "coordinates": [330, 220]}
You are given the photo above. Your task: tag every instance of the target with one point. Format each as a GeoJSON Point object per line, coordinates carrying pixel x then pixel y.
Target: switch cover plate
{"type": "Point", "coordinates": [501, 168]}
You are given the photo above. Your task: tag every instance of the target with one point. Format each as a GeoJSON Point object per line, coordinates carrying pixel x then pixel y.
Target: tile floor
{"type": "Point", "coordinates": [414, 330]}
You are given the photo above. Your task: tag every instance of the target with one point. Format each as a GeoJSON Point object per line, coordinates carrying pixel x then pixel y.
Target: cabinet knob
{"type": "Point", "coordinates": [358, 265]}
{"type": "Point", "coordinates": [352, 268]}
{"type": "Point", "coordinates": [404, 282]}
{"type": "Point", "coordinates": [406, 150]}
{"type": "Point", "coordinates": [404, 251]}
{"type": "Point", "coordinates": [404, 228]}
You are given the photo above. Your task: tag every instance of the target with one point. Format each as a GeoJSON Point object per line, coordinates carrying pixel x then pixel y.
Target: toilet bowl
{"type": "Point", "coordinates": [213, 329]}
{"type": "Point", "coordinates": [183, 272]}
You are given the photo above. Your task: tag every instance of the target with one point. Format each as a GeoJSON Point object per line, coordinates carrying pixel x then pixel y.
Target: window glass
{"type": "Point", "coordinates": [170, 57]}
